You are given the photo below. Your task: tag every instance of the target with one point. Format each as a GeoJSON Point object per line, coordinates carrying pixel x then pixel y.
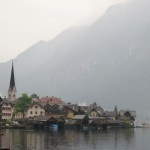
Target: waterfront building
{"type": "Point", "coordinates": [52, 105]}
{"type": "Point", "coordinates": [87, 109]}
{"type": "Point", "coordinates": [7, 110]}
{"type": "Point", "coordinates": [69, 112]}
{"type": "Point", "coordinates": [127, 116]}
{"type": "Point", "coordinates": [110, 115]}
{"type": "Point", "coordinates": [93, 113]}
{"type": "Point", "coordinates": [51, 110]}
{"type": "Point", "coordinates": [34, 110]}
{"type": "Point", "coordinates": [80, 120]}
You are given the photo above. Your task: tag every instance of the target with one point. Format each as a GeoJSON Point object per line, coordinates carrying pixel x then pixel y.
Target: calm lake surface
{"type": "Point", "coordinates": [70, 139]}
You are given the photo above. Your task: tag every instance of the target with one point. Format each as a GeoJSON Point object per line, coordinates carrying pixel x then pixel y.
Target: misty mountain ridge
{"type": "Point", "coordinates": [107, 62]}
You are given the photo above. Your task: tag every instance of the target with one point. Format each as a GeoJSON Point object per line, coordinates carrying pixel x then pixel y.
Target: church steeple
{"type": "Point", "coordinates": [12, 92]}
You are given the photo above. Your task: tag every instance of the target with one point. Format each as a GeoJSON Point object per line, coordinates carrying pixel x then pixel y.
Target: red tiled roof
{"type": "Point", "coordinates": [52, 99]}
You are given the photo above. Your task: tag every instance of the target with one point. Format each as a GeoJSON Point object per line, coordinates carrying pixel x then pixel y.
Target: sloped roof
{"type": "Point", "coordinates": [52, 99]}
{"type": "Point", "coordinates": [132, 112]}
{"type": "Point", "coordinates": [8, 101]}
{"type": "Point", "coordinates": [32, 104]}
{"type": "Point", "coordinates": [12, 79]}
{"type": "Point", "coordinates": [83, 108]}
{"type": "Point", "coordinates": [87, 109]}
{"type": "Point", "coordinates": [109, 114]}
{"type": "Point", "coordinates": [79, 117]}
{"type": "Point", "coordinates": [72, 106]}
{"type": "Point", "coordinates": [42, 118]}
{"type": "Point", "coordinates": [65, 106]}
{"type": "Point", "coordinates": [51, 106]}
{"type": "Point", "coordinates": [46, 118]}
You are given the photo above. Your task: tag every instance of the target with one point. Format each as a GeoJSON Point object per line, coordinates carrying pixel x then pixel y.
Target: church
{"type": "Point", "coordinates": [8, 103]}
{"type": "Point", "coordinates": [12, 91]}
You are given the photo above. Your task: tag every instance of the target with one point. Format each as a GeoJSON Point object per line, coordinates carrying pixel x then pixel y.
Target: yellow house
{"type": "Point", "coordinates": [69, 112]}
{"type": "Point", "coordinates": [35, 109]}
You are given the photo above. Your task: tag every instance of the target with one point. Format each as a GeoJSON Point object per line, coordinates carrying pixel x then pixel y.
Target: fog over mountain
{"type": "Point", "coordinates": [107, 62]}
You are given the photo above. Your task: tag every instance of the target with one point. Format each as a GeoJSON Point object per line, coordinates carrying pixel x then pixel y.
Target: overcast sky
{"type": "Point", "coordinates": [25, 22]}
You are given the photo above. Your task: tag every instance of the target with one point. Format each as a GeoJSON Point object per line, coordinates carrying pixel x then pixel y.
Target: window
{"type": "Point", "coordinates": [36, 106]}
{"type": "Point", "coordinates": [41, 112]}
{"type": "Point", "coordinates": [30, 112]}
{"type": "Point", "coordinates": [36, 112]}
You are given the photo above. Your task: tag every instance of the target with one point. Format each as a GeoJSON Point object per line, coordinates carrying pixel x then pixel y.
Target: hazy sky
{"type": "Point", "coordinates": [25, 22]}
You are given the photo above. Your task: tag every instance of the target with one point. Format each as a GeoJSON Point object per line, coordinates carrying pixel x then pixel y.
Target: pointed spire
{"type": "Point", "coordinates": [12, 92]}
{"type": "Point", "coordinates": [12, 78]}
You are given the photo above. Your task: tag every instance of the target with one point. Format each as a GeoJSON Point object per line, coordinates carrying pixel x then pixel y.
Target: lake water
{"type": "Point", "coordinates": [69, 139]}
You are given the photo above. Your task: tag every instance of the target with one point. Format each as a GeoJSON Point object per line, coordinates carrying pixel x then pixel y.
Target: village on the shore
{"type": "Point", "coordinates": [52, 112]}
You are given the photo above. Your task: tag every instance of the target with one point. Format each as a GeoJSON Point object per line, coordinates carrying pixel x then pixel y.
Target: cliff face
{"type": "Point", "coordinates": [107, 62]}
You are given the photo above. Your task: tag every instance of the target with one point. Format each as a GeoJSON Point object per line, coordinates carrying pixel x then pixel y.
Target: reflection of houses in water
{"type": "Point", "coordinates": [70, 139]}
{"type": "Point", "coordinates": [24, 139]}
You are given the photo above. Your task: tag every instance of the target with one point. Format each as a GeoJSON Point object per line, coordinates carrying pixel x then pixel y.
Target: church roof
{"type": "Point", "coordinates": [12, 79]}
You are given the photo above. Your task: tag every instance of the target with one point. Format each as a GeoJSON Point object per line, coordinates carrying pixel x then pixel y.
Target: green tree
{"type": "Point", "coordinates": [22, 103]}
{"type": "Point", "coordinates": [34, 96]}
{"type": "Point", "coordinates": [116, 109]}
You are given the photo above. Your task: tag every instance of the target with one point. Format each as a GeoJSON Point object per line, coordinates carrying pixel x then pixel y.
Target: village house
{"type": "Point", "coordinates": [69, 113]}
{"type": "Point", "coordinates": [127, 116]}
{"type": "Point", "coordinates": [6, 110]}
{"type": "Point", "coordinates": [52, 105]}
{"type": "Point", "coordinates": [80, 121]}
{"type": "Point", "coordinates": [51, 110]}
{"type": "Point", "coordinates": [110, 115]}
{"type": "Point", "coordinates": [92, 108]}
{"type": "Point", "coordinates": [93, 113]}
{"type": "Point", "coordinates": [34, 110]}
{"type": "Point", "coordinates": [48, 122]}
{"type": "Point", "coordinates": [128, 113]}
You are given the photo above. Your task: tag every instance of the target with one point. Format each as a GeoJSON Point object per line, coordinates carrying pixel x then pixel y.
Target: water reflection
{"type": "Point", "coordinates": [69, 139]}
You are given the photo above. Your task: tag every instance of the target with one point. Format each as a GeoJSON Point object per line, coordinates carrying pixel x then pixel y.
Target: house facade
{"type": "Point", "coordinates": [93, 113]}
{"type": "Point", "coordinates": [34, 110]}
{"type": "Point", "coordinates": [6, 110]}
{"type": "Point", "coordinates": [53, 110]}
{"type": "Point", "coordinates": [69, 113]}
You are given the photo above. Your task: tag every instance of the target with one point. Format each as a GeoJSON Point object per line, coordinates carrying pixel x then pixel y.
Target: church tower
{"type": "Point", "coordinates": [12, 91]}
